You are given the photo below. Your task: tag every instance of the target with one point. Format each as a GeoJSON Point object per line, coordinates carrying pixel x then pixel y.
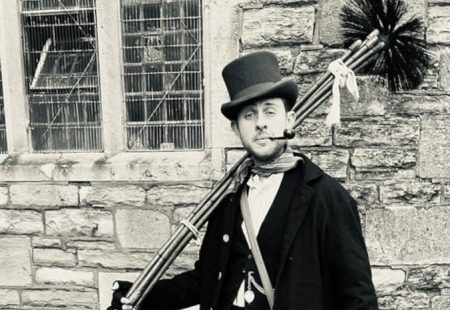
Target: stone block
{"type": "Point", "coordinates": [440, 302]}
{"type": "Point", "coordinates": [234, 155]}
{"type": "Point", "coordinates": [366, 195]}
{"type": "Point", "coordinates": [21, 222]}
{"type": "Point", "coordinates": [15, 261]}
{"type": "Point", "coordinates": [446, 193]}
{"type": "Point", "coordinates": [438, 31]}
{"type": "Point", "coordinates": [159, 167]}
{"type": "Point", "coordinates": [417, 301]}
{"type": "Point", "coordinates": [105, 282]}
{"type": "Point", "coordinates": [3, 196]}
{"type": "Point", "coordinates": [142, 229]}
{"type": "Point", "coordinates": [176, 195]}
{"type": "Point", "coordinates": [79, 222]}
{"type": "Point", "coordinates": [416, 103]}
{"type": "Point", "coordinates": [329, 22]}
{"type": "Point", "coordinates": [373, 99]}
{"type": "Point", "coordinates": [256, 3]}
{"type": "Point", "coordinates": [387, 280]}
{"type": "Point", "coordinates": [417, 8]}
{"type": "Point", "coordinates": [431, 79]}
{"type": "Point", "coordinates": [9, 298]}
{"type": "Point", "coordinates": [54, 257]}
{"type": "Point", "coordinates": [383, 163]}
{"type": "Point", "coordinates": [45, 242]}
{"type": "Point", "coordinates": [410, 192]}
{"type": "Point", "coordinates": [429, 277]}
{"type": "Point", "coordinates": [315, 60]}
{"type": "Point", "coordinates": [383, 174]}
{"type": "Point", "coordinates": [272, 26]}
{"type": "Point", "coordinates": [87, 299]}
{"type": "Point", "coordinates": [284, 56]}
{"type": "Point", "coordinates": [113, 259]}
{"type": "Point", "coordinates": [333, 162]}
{"type": "Point", "coordinates": [312, 132]}
{"type": "Point", "coordinates": [185, 261]}
{"type": "Point", "coordinates": [60, 276]}
{"type": "Point", "coordinates": [43, 195]}
{"type": "Point", "coordinates": [434, 147]}
{"type": "Point", "coordinates": [406, 235]}
{"type": "Point", "coordinates": [403, 299]}
{"type": "Point", "coordinates": [85, 244]}
{"type": "Point", "coordinates": [378, 132]}
{"type": "Point", "coordinates": [444, 70]}
{"type": "Point", "coordinates": [305, 82]}
{"type": "Point", "coordinates": [112, 195]}
{"type": "Point", "coordinates": [182, 213]}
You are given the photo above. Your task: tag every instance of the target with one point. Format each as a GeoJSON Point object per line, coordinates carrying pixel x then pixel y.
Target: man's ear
{"type": "Point", "coordinates": [235, 128]}
{"type": "Point", "coordinates": [290, 120]}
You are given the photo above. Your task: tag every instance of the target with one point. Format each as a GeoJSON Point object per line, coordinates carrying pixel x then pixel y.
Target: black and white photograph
{"type": "Point", "coordinates": [225, 154]}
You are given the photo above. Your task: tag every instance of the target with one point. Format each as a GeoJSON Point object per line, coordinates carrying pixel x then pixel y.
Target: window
{"type": "Point", "coordinates": [162, 53]}
{"type": "Point", "coordinates": [60, 56]}
{"type": "Point", "coordinates": [2, 119]}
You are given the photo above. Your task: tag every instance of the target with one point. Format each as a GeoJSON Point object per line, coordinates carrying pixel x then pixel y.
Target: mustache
{"type": "Point", "coordinates": [262, 136]}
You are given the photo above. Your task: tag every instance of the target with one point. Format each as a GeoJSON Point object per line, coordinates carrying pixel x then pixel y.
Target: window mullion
{"type": "Point", "coordinates": [14, 96]}
{"type": "Point", "coordinates": [110, 60]}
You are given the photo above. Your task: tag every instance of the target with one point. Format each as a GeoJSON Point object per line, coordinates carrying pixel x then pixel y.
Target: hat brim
{"type": "Point", "coordinates": [286, 89]}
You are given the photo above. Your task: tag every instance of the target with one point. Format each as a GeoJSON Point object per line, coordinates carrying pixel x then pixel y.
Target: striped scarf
{"type": "Point", "coordinates": [282, 163]}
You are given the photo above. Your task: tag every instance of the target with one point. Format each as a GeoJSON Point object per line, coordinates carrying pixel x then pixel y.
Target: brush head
{"type": "Point", "coordinates": [403, 62]}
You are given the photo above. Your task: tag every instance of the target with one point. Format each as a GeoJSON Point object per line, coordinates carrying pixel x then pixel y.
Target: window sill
{"type": "Point", "coordinates": [123, 167]}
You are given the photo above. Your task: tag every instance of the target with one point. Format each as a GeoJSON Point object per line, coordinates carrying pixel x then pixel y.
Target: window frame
{"type": "Point", "coordinates": [57, 91]}
{"type": "Point", "coordinates": [202, 92]}
{"type": "Point", "coordinates": [122, 164]}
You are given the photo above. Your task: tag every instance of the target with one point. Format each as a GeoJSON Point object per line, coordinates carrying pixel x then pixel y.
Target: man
{"type": "Point", "coordinates": [307, 225]}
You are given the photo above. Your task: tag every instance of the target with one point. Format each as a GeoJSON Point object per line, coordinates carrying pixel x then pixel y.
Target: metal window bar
{"type": "Point", "coordinates": [163, 73]}
{"type": "Point", "coordinates": [60, 52]}
{"type": "Point", "coordinates": [3, 146]}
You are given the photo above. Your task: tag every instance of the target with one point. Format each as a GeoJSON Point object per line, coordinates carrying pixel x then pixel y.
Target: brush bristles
{"type": "Point", "coordinates": [404, 60]}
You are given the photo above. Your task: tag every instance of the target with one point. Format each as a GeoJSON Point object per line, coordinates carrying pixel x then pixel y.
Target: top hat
{"type": "Point", "coordinates": [253, 77]}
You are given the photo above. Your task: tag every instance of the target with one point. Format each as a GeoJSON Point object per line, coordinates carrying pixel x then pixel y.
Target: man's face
{"type": "Point", "coordinates": [258, 121]}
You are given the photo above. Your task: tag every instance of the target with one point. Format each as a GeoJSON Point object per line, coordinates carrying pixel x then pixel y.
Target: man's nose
{"type": "Point", "coordinates": [261, 123]}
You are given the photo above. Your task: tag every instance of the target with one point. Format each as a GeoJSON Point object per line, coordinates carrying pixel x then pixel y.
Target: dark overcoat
{"type": "Point", "coordinates": [323, 262]}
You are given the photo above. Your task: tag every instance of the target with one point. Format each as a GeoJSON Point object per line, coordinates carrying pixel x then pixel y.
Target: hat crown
{"type": "Point", "coordinates": [250, 70]}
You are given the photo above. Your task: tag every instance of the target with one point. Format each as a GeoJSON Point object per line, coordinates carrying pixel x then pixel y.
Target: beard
{"type": "Point", "coordinates": [266, 152]}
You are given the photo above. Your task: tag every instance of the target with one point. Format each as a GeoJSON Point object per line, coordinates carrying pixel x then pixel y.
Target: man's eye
{"type": "Point", "coordinates": [249, 115]}
{"type": "Point", "coordinates": [271, 112]}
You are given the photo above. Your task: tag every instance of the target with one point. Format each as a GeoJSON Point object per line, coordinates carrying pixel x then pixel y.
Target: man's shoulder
{"type": "Point", "coordinates": [321, 183]}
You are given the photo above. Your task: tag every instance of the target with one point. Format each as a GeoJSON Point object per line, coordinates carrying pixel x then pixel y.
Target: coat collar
{"type": "Point", "coordinates": [309, 170]}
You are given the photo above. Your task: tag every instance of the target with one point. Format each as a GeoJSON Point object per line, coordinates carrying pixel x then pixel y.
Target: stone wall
{"type": "Point", "coordinates": [63, 240]}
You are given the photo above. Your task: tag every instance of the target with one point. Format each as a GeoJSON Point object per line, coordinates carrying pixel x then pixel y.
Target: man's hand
{"type": "Point", "coordinates": [119, 301]}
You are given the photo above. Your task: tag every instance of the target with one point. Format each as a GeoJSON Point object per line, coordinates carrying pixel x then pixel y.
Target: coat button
{"type": "Point", "coordinates": [249, 256]}
{"type": "Point", "coordinates": [226, 238]}
{"type": "Point", "coordinates": [219, 276]}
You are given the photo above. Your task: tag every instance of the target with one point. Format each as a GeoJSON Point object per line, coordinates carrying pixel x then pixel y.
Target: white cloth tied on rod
{"type": "Point", "coordinates": [343, 77]}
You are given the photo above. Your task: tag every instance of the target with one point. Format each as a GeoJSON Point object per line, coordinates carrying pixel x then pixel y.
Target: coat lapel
{"type": "Point", "coordinates": [299, 204]}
